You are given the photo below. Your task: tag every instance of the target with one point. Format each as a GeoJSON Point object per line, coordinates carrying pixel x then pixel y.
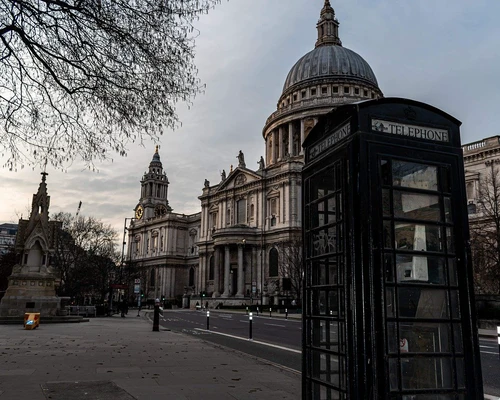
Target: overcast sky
{"type": "Point", "coordinates": [442, 52]}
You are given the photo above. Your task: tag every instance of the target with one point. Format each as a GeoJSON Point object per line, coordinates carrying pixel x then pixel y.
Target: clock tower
{"type": "Point", "coordinates": [154, 191]}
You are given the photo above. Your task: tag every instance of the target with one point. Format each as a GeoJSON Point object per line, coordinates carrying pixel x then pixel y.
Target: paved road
{"type": "Point", "coordinates": [490, 364]}
{"type": "Point", "coordinates": [284, 339]}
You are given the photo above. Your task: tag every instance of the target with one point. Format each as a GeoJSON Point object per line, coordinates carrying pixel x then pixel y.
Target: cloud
{"type": "Point", "coordinates": [444, 53]}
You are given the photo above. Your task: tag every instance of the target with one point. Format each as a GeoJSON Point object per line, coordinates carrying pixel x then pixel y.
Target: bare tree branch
{"type": "Point", "coordinates": [82, 79]}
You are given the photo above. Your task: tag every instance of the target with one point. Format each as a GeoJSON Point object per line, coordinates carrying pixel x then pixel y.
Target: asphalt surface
{"type": "Point", "coordinates": [121, 358]}
{"type": "Point", "coordinates": [286, 336]}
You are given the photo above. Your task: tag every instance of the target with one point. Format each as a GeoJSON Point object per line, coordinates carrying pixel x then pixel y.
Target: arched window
{"type": "Point", "coordinates": [273, 262]}
{"type": "Point", "coordinates": [191, 276]}
{"type": "Point", "coordinates": [211, 269]}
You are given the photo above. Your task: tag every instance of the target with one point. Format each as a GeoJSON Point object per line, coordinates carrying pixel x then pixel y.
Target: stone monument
{"type": "Point", "coordinates": [32, 283]}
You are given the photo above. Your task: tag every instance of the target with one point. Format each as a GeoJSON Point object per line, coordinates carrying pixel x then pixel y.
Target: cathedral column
{"type": "Point", "coordinates": [258, 270]}
{"type": "Point", "coordinates": [273, 148]}
{"type": "Point", "coordinates": [241, 277]}
{"type": "Point", "coordinates": [293, 203]}
{"type": "Point", "coordinates": [172, 282]}
{"type": "Point", "coordinates": [216, 272]}
{"type": "Point", "coordinates": [174, 239]}
{"type": "Point", "coordinates": [290, 139]}
{"type": "Point", "coordinates": [281, 150]}
{"type": "Point", "coordinates": [301, 136]}
{"type": "Point", "coordinates": [227, 271]}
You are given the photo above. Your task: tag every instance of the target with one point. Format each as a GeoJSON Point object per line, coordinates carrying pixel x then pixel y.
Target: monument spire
{"type": "Point", "coordinates": [328, 27]}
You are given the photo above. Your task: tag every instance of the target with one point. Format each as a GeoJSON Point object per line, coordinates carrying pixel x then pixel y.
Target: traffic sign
{"type": "Point", "coordinates": [137, 288]}
{"type": "Point", "coordinates": [137, 281]}
{"type": "Point", "coordinates": [118, 286]}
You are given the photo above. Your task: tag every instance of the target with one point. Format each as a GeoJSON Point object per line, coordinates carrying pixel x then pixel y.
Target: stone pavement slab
{"type": "Point", "coordinates": [121, 358]}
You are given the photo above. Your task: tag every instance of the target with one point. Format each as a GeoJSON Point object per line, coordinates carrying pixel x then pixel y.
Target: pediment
{"type": "Point", "coordinates": [238, 178]}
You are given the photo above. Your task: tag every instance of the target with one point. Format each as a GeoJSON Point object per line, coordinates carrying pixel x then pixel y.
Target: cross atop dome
{"type": "Point", "coordinates": [328, 27]}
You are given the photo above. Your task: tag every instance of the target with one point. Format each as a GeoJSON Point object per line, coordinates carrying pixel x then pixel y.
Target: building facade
{"type": "Point", "coordinates": [234, 250]}
{"type": "Point", "coordinates": [7, 237]}
{"type": "Point", "coordinates": [161, 243]}
{"type": "Point", "coordinates": [482, 178]}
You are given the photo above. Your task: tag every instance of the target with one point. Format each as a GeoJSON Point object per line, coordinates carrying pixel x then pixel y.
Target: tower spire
{"type": "Point", "coordinates": [328, 27]}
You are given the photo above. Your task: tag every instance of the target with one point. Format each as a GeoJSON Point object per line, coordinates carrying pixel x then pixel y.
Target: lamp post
{"type": "Point", "coordinates": [124, 242]}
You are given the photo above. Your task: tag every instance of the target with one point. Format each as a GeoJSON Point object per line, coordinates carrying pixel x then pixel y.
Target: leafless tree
{"type": "Point", "coordinates": [291, 266]}
{"type": "Point", "coordinates": [86, 256]}
{"type": "Point", "coordinates": [485, 233]}
{"type": "Point", "coordinates": [79, 79]}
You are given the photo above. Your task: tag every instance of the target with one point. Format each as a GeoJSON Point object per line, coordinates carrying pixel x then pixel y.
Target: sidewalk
{"type": "Point", "coordinates": [121, 358]}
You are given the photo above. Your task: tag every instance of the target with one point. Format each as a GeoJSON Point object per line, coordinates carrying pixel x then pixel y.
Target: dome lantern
{"type": "Point", "coordinates": [328, 27]}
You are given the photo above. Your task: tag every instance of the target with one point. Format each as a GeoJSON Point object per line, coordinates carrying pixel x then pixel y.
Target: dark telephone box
{"type": "Point", "coordinates": [388, 288]}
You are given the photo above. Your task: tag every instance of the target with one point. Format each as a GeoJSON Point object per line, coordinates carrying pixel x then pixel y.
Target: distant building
{"type": "Point", "coordinates": [7, 237]}
{"type": "Point", "coordinates": [161, 243]}
{"type": "Point", "coordinates": [231, 250]}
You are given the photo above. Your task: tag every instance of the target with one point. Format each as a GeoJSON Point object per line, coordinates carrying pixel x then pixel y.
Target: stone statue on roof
{"type": "Point", "coordinates": [261, 163]}
{"type": "Point", "coordinates": [241, 159]}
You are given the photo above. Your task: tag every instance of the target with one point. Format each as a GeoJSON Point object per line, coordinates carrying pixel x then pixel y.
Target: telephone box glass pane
{"type": "Point", "coordinates": [414, 175]}
{"type": "Point", "coordinates": [421, 301]}
{"type": "Point", "coordinates": [427, 373]}
{"type": "Point", "coordinates": [416, 206]}
{"type": "Point", "coordinates": [416, 236]}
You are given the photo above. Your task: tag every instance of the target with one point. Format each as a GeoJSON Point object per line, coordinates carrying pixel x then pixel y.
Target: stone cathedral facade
{"type": "Point", "coordinates": [231, 250]}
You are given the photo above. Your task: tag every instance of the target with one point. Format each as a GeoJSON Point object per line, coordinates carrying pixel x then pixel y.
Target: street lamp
{"type": "Point", "coordinates": [121, 261]}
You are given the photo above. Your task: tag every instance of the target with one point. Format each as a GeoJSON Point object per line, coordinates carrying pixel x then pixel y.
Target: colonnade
{"type": "Point", "coordinates": [276, 150]}
{"type": "Point", "coordinates": [223, 253]}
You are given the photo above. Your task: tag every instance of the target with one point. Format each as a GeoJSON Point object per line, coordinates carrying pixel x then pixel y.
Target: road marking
{"type": "Point", "coordinates": [488, 347]}
{"type": "Point", "coordinates": [489, 352]}
{"type": "Point", "coordinates": [256, 341]}
{"type": "Point", "coordinates": [282, 326]}
{"type": "Point", "coordinates": [490, 397]}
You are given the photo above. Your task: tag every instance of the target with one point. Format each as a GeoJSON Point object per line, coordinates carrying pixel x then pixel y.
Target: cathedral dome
{"type": "Point", "coordinates": [332, 63]}
{"type": "Point", "coordinates": [326, 77]}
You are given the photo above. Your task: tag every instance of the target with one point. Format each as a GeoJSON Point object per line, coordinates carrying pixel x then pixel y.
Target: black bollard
{"type": "Point", "coordinates": [498, 333]}
{"type": "Point", "coordinates": [250, 320]}
{"type": "Point", "coordinates": [156, 317]}
{"type": "Point", "coordinates": [270, 310]}
{"type": "Point", "coordinates": [208, 320]}
{"type": "Point", "coordinates": [257, 310]}
{"type": "Point", "coordinates": [286, 313]}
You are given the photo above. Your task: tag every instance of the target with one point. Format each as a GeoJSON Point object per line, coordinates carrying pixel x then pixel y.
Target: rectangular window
{"type": "Point", "coordinates": [313, 92]}
{"type": "Point", "coordinates": [365, 93]}
{"type": "Point", "coordinates": [213, 220]}
{"type": "Point", "coordinates": [346, 89]}
{"type": "Point", "coordinates": [335, 89]}
{"type": "Point", "coordinates": [303, 94]}
{"type": "Point", "coordinates": [324, 90]}
{"type": "Point", "coordinates": [242, 211]}
{"type": "Point", "coordinates": [356, 90]}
